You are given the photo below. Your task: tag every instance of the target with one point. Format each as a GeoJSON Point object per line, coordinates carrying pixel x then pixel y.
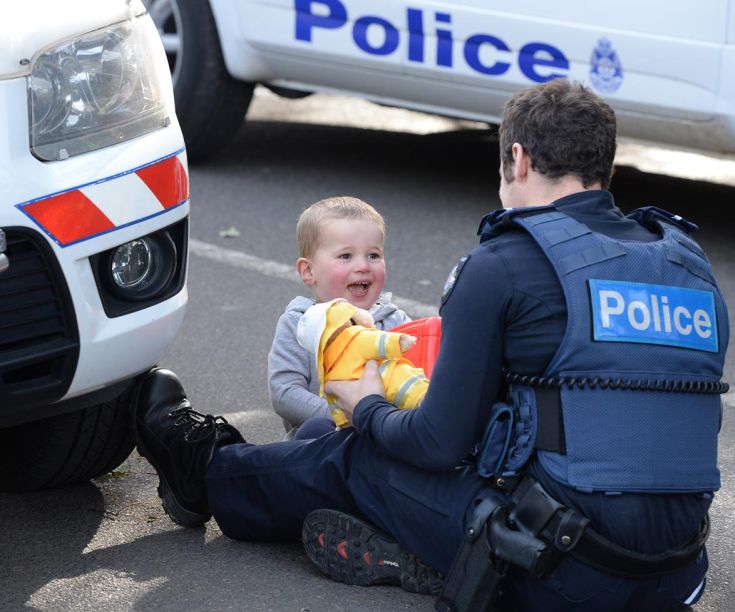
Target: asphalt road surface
{"type": "Point", "coordinates": [108, 546]}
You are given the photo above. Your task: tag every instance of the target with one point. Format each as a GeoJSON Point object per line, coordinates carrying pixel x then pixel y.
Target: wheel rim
{"type": "Point", "coordinates": [167, 17]}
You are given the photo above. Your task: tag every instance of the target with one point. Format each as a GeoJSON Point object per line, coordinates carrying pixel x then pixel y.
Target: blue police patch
{"type": "Point", "coordinates": [606, 71]}
{"type": "Point", "coordinates": [653, 314]}
{"type": "Point", "coordinates": [452, 278]}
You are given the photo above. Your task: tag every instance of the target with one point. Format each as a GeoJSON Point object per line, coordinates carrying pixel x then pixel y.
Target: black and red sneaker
{"type": "Point", "coordinates": [354, 552]}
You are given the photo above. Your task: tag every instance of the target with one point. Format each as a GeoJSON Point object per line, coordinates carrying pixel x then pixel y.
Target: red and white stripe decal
{"type": "Point", "coordinates": [117, 201]}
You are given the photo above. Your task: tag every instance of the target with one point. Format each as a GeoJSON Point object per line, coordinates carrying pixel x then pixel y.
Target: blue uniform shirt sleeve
{"type": "Point", "coordinates": [465, 380]}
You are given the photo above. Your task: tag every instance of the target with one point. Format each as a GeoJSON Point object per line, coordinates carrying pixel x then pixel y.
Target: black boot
{"type": "Point", "coordinates": [178, 442]}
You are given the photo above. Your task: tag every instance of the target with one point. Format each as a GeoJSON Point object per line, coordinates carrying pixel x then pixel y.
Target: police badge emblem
{"type": "Point", "coordinates": [452, 278]}
{"type": "Point", "coordinates": [606, 71]}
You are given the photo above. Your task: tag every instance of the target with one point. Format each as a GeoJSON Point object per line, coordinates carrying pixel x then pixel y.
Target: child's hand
{"type": "Point", "coordinates": [406, 342]}
{"type": "Point", "coordinates": [363, 317]}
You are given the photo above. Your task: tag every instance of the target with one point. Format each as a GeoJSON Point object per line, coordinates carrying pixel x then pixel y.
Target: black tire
{"type": "Point", "coordinates": [66, 449]}
{"type": "Point", "coordinates": [210, 104]}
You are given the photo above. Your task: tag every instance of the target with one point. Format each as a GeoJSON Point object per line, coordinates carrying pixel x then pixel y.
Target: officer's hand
{"type": "Point", "coordinates": [349, 392]}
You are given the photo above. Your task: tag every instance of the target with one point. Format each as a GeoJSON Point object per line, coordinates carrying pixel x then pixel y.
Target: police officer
{"type": "Point", "coordinates": [566, 448]}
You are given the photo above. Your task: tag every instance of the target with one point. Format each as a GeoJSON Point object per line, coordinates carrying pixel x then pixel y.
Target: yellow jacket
{"type": "Point", "coordinates": [345, 357]}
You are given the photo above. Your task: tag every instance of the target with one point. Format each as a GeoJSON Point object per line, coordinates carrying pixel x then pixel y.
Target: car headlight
{"type": "Point", "coordinates": [97, 90]}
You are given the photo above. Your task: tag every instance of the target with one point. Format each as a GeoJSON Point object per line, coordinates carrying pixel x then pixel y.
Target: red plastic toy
{"type": "Point", "coordinates": [428, 332]}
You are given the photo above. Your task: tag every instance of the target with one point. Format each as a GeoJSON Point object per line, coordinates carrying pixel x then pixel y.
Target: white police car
{"type": "Point", "coordinates": [93, 232]}
{"type": "Point", "coordinates": [664, 66]}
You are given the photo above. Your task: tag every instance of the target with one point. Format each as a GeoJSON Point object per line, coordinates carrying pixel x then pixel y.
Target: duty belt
{"type": "Point", "coordinates": [534, 532]}
{"type": "Point", "coordinates": [535, 514]}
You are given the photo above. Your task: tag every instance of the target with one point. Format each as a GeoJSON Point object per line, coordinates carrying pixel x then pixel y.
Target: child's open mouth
{"type": "Point", "coordinates": [359, 289]}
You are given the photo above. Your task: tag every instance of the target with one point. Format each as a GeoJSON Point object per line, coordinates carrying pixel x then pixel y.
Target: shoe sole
{"type": "Point", "coordinates": [171, 506]}
{"type": "Point", "coordinates": [353, 552]}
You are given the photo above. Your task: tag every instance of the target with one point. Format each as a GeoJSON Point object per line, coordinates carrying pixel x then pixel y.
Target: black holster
{"type": "Point", "coordinates": [474, 580]}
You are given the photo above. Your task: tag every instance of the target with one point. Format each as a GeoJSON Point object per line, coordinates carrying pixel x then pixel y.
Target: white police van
{"type": "Point", "coordinates": [93, 232]}
{"type": "Point", "coordinates": [665, 66]}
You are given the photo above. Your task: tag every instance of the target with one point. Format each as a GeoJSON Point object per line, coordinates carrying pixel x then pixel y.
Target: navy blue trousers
{"type": "Point", "coordinates": [264, 492]}
{"type": "Point", "coordinates": [314, 427]}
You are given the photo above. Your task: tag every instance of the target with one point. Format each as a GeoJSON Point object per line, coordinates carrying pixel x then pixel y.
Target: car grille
{"type": "Point", "coordinates": [39, 340]}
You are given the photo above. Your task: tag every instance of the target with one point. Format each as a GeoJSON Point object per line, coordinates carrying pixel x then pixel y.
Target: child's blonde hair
{"type": "Point", "coordinates": [341, 207]}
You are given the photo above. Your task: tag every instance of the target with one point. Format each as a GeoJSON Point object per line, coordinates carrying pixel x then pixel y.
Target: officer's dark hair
{"type": "Point", "coordinates": [565, 129]}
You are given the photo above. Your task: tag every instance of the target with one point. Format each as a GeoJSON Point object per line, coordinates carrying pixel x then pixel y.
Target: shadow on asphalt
{"type": "Point", "coordinates": [81, 548]}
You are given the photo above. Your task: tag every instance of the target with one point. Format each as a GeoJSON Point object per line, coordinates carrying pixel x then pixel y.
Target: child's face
{"type": "Point", "coordinates": [348, 263]}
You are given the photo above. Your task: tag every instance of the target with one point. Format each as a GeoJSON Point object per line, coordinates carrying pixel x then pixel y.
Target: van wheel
{"type": "Point", "coordinates": [210, 104]}
{"type": "Point", "coordinates": [67, 448]}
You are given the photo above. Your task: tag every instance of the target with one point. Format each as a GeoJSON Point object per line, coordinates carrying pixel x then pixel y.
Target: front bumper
{"type": "Point", "coordinates": [75, 209]}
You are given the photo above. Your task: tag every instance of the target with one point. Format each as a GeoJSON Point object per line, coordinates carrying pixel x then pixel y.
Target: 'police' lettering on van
{"type": "Point", "coordinates": [653, 314]}
{"type": "Point", "coordinates": [538, 61]}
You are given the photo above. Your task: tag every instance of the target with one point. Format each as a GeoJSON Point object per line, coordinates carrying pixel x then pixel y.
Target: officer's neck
{"type": "Point", "coordinates": [537, 190]}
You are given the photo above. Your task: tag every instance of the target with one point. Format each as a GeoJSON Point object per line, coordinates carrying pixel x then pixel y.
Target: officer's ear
{"type": "Point", "coordinates": [521, 161]}
{"type": "Point", "coordinates": [303, 267]}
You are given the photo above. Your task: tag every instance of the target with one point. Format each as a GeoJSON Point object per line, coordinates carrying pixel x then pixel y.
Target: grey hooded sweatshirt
{"type": "Point", "coordinates": [292, 377]}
